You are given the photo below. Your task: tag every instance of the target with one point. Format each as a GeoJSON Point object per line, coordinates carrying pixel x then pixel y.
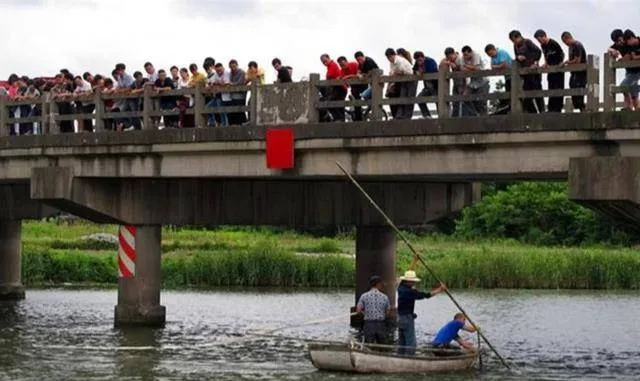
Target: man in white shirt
{"type": "Point", "coordinates": [221, 78]}
{"type": "Point", "coordinates": [83, 88]}
{"type": "Point", "coordinates": [400, 66]}
{"type": "Point", "coordinates": [472, 61]}
{"type": "Point", "coordinates": [151, 72]}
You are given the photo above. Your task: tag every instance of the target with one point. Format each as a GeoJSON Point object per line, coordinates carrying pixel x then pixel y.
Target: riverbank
{"type": "Point", "coordinates": [59, 254]}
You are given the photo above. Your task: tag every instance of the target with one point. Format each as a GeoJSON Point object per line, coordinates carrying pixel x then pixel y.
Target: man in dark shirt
{"type": "Point", "coordinates": [578, 79]}
{"type": "Point", "coordinates": [407, 296]}
{"type": "Point", "coordinates": [426, 65]}
{"type": "Point", "coordinates": [284, 76]}
{"type": "Point", "coordinates": [162, 84]}
{"type": "Point", "coordinates": [618, 48]}
{"type": "Point", "coordinates": [553, 56]}
{"type": "Point", "coordinates": [528, 54]}
{"type": "Point", "coordinates": [367, 64]}
{"type": "Point", "coordinates": [631, 52]}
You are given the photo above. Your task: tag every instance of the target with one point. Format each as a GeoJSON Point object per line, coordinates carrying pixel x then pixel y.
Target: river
{"type": "Point", "coordinates": [69, 335]}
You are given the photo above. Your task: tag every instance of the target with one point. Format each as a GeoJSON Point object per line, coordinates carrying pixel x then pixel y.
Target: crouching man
{"type": "Point", "coordinates": [449, 333]}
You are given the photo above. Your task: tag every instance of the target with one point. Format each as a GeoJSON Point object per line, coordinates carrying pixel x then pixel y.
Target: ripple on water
{"type": "Point", "coordinates": [69, 335]}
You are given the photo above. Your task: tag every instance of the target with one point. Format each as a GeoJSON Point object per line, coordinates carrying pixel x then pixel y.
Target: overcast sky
{"type": "Point", "coordinates": [42, 36]}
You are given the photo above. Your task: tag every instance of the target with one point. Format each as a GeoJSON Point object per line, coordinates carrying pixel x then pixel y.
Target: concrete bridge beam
{"type": "Point", "coordinates": [609, 185]}
{"type": "Point", "coordinates": [11, 287]}
{"type": "Point", "coordinates": [139, 295]}
{"type": "Point", "coordinates": [206, 201]}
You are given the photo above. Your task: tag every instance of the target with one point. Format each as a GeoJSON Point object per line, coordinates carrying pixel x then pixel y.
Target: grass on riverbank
{"type": "Point", "coordinates": [56, 254]}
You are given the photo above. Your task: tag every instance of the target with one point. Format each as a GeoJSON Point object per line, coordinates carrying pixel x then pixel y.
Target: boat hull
{"type": "Point", "coordinates": [343, 357]}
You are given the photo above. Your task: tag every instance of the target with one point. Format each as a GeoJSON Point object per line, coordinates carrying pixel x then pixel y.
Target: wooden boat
{"type": "Point", "coordinates": [358, 358]}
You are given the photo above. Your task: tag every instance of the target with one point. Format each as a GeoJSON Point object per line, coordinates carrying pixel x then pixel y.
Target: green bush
{"type": "Point", "coordinates": [537, 213]}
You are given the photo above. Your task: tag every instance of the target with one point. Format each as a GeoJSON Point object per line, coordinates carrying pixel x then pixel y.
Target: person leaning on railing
{"type": "Point", "coordinates": [578, 79]}
{"type": "Point", "coordinates": [470, 62]}
{"type": "Point", "coordinates": [451, 60]}
{"type": "Point", "coordinates": [84, 105]}
{"type": "Point", "coordinates": [632, 77]}
{"type": "Point", "coordinates": [336, 92]}
{"type": "Point", "coordinates": [162, 85]}
{"type": "Point", "coordinates": [222, 78]}
{"type": "Point", "coordinates": [528, 55]}
{"type": "Point", "coordinates": [426, 65]}
{"type": "Point", "coordinates": [553, 56]}
{"type": "Point", "coordinates": [62, 95]}
{"type": "Point", "coordinates": [400, 66]}
{"type": "Point", "coordinates": [238, 98]}
{"type": "Point", "coordinates": [501, 60]}
{"type": "Point", "coordinates": [350, 70]}
{"type": "Point", "coordinates": [366, 66]}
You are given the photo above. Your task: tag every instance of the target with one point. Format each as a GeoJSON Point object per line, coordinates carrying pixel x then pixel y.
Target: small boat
{"type": "Point", "coordinates": [361, 358]}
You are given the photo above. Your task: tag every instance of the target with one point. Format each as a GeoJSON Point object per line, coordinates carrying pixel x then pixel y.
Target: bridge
{"type": "Point", "coordinates": [418, 170]}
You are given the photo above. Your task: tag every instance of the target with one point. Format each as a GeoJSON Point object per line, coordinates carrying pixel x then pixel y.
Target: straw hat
{"type": "Point", "coordinates": [410, 276]}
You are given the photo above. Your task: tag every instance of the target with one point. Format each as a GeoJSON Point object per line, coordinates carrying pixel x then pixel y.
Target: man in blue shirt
{"type": "Point", "coordinates": [449, 333]}
{"type": "Point", "coordinates": [426, 65]}
{"type": "Point", "coordinates": [407, 296]}
{"type": "Point", "coordinates": [500, 59]}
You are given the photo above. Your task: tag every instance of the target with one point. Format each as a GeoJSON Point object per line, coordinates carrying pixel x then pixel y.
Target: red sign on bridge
{"type": "Point", "coordinates": [279, 148]}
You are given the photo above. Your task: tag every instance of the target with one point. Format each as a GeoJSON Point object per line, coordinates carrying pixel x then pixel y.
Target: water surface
{"type": "Point", "coordinates": [69, 335]}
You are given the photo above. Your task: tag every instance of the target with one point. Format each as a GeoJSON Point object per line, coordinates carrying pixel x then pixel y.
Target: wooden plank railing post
{"type": "Point", "coordinates": [147, 108]}
{"type": "Point", "coordinates": [253, 104]}
{"type": "Point", "coordinates": [99, 102]}
{"type": "Point", "coordinates": [199, 105]}
{"type": "Point", "coordinates": [516, 89]}
{"type": "Point", "coordinates": [314, 96]}
{"type": "Point", "coordinates": [4, 116]}
{"type": "Point", "coordinates": [444, 91]}
{"type": "Point", "coordinates": [377, 88]}
{"type": "Point", "coordinates": [44, 113]}
{"type": "Point", "coordinates": [593, 83]}
{"type": "Point", "coordinates": [54, 126]}
{"type": "Point", "coordinates": [609, 81]}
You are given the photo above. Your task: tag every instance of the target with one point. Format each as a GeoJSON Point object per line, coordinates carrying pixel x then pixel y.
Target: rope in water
{"type": "Point", "coordinates": [418, 257]}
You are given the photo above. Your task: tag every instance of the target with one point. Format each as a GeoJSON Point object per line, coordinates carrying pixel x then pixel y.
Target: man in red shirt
{"type": "Point", "coordinates": [352, 70]}
{"type": "Point", "coordinates": [334, 93]}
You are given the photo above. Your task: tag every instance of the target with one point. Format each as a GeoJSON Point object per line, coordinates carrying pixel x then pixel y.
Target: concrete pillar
{"type": "Point", "coordinates": [139, 295]}
{"type": "Point", "coordinates": [11, 287]}
{"type": "Point", "coordinates": [375, 255]}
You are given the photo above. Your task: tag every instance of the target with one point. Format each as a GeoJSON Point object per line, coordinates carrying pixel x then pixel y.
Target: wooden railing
{"type": "Point", "coordinates": [150, 113]}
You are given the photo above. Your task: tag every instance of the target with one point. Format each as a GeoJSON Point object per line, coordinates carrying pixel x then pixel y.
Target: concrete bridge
{"type": "Point", "coordinates": [418, 170]}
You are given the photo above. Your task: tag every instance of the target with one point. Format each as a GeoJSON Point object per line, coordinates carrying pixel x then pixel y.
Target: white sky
{"type": "Point", "coordinates": [42, 36]}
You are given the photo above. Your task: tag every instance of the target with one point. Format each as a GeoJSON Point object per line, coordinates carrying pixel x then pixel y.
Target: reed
{"type": "Point", "coordinates": [247, 257]}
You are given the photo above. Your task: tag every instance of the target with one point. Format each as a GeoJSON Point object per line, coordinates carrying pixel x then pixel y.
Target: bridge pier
{"type": "Point", "coordinates": [11, 287]}
{"type": "Point", "coordinates": [139, 295]}
{"type": "Point", "coordinates": [375, 255]}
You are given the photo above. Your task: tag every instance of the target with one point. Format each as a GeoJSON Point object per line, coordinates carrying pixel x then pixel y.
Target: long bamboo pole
{"type": "Point", "coordinates": [421, 260]}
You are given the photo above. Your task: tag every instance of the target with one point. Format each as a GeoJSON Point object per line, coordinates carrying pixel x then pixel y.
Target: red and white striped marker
{"type": "Point", "coordinates": [127, 252]}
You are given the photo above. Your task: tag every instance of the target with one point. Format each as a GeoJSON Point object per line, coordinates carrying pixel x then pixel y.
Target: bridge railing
{"type": "Point", "coordinates": [445, 97]}
{"type": "Point", "coordinates": [149, 108]}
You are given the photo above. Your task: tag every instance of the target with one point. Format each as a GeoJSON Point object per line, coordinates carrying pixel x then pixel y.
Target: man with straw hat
{"type": "Point", "coordinates": [407, 296]}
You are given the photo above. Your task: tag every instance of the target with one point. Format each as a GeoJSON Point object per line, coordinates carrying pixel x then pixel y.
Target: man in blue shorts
{"type": "Point", "coordinates": [449, 333]}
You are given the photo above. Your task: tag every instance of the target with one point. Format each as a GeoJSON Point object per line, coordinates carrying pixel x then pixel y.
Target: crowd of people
{"type": "Point", "coordinates": [72, 93]}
